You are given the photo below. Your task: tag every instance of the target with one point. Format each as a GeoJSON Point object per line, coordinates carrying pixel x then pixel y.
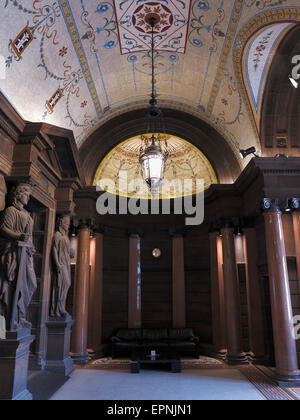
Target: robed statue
{"type": "Point", "coordinates": [17, 276]}
{"type": "Point", "coordinates": [61, 268]}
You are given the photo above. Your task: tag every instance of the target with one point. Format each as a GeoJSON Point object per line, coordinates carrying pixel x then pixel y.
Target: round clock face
{"type": "Point", "coordinates": [156, 253]}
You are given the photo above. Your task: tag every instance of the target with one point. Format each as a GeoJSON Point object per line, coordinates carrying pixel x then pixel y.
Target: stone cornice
{"type": "Point", "coordinates": [72, 183]}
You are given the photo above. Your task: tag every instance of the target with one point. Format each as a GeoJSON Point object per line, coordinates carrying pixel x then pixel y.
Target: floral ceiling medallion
{"type": "Point", "coordinates": [159, 12]}
{"type": "Point", "coordinates": [172, 17]}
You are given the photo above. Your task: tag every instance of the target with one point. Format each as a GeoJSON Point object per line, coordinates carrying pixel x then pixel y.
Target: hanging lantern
{"type": "Point", "coordinates": [153, 165]}
{"type": "Point", "coordinates": [153, 159]}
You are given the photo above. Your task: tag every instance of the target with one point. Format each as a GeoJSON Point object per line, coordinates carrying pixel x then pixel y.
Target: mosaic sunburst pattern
{"type": "Point", "coordinates": [120, 170]}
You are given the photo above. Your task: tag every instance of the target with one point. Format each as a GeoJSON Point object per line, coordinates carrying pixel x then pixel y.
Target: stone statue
{"type": "Point", "coordinates": [61, 268]}
{"type": "Point", "coordinates": [17, 276]}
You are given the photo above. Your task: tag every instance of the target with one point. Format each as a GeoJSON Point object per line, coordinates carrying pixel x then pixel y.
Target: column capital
{"type": "Point", "coordinates": [84, 224]}
{"type": "Point", "coordinates": [249, 223]}
{"type": "Point", "coordinates": [100, 229]}
{"type": "Point", "coordinates": [294, 204]}
{"type": "Point", "coordinates": [135, 233]}
{"type": "Point", "coordinates": [271, 205]}
{"type": "Point", "coordinates": [231, 222]}
{"type": "Point", "coordinates": [177, 232]}
{"type": "Point", "coordinates": [215, 227]}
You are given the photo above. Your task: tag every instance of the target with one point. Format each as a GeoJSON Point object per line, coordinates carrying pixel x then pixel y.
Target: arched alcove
{"type": "Point", "coordinates": [186, 172]}
{"type": "Point", "coordinates": [280, 133]}
{"type": "Point", "coordinates": [177, 123]}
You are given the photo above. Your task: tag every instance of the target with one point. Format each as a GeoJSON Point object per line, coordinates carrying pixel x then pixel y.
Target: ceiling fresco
{"type": "Point", "coordinates": [76, 64]}
{"type": "Point", "coordinates": [170, 31]}
{"type": "Point", "coordinates": [121, 170]}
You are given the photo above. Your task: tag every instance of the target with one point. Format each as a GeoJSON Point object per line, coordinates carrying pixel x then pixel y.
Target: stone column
{"type": "Point", "coordinates": [254, 298]}
{"type": "Point", "coordinates": [134, 282]}
{"type": "Point", "coordinates": [235, 354]}
{"type": "Point", "coordinates": [282, 315]}
{"type": "Point", "coordinates": [96, 295]}
{"type": "Point", "coordinates": [178, 289]}
{"type": "Point", "coordinates": [81, 293]}
{"type": "Point", "coordinates": [217, 295]}
{"type": "Point", "coordinates": [295, 204]}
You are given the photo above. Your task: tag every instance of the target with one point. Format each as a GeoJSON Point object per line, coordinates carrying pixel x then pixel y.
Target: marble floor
{"type": "Point", "coordinates": [208, 384]}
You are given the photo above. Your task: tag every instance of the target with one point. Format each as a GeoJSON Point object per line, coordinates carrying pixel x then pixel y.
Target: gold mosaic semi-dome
{"type": "Point", "coordinates": [187, 170]}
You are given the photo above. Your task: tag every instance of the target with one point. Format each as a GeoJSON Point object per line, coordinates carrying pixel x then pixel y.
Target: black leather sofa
{"type": "Point", "coordinates": [179, 340]}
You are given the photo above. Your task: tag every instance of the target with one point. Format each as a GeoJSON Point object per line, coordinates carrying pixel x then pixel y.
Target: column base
{"type": "Point", "coordinates": [14, 358]}
{"type": "Point", "coordinates": [80, 359]}
{"type": "Point", "coordinates": [240, 359]}
{"type": "Point", "coordinates": [58, 358]}
{"type": "Point", "coordinates": [287, 380]}
{"type": "Point", "coordinates": [104, 350]}
{"type": "Point", "coordinates": [221, 354]}
{"type": "Point", "coordinates": [257, 360]}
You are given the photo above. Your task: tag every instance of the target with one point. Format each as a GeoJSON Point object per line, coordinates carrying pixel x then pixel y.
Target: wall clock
{"type": "Point", "coordinates": [156, 252]}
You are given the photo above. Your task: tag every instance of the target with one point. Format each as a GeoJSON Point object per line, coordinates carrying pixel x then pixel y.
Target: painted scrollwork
{"type": "Point", "coordinates": [262, 4]}
{"type": "Point", "coordinates": [198, 14]}
{"type": "Point", "coordinates": [95, 28]}
{"type": "Point", "coordinates": [232, 91]}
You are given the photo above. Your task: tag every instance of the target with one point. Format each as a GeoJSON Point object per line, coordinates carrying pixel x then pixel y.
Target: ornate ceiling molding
{"type": "Point", "coordinates": [237, 9]}
{"type": "Point", "coordinates": [76, 39]}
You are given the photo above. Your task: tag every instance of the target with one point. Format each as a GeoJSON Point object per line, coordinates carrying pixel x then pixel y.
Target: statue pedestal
{"type": "Point", "coordinates": [14, 356]}
{"type": "Point", "coordinates": [58, 358]}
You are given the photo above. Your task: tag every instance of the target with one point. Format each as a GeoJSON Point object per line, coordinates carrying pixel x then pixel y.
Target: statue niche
{"type": "Point", "coordinates": [61, 268]}
{"type": "Point", "coordinates": [17, 276]}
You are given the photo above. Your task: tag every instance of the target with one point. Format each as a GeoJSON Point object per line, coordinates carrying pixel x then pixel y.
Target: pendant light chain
{"type": "Point", "coordinates": [153, 64]}
{"type": "Point", "coordinates": [153, 159]}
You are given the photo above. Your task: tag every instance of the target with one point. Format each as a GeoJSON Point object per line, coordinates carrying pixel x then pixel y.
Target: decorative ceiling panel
{"type": "Point", "coordinates": [170, 31]}
{"type": "Point", "coordinates": [71, 63]}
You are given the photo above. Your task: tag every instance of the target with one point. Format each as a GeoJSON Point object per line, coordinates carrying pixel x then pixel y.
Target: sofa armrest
{"type": "Point", "coordinates": [115, 340]}
{"type": "Point", "coordinates": [194, 340]}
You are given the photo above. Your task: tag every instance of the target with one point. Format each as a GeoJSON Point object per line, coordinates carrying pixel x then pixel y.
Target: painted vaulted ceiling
{"type": "Point", "coordinates": [77, 63]}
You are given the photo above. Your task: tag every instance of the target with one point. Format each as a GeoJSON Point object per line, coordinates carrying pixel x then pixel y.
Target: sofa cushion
{"type": "Point", "coordinates": [154, 344]}
{"type": "Point", "coordinates": [181, 334]}
{"type": "Point", "coordinates": [129, 344]}
{"type": "Point", "coordinates": [155, 334]}
{"type": "Point", "coordinates": [129, 334]}
{"type": "Point", "coordinates": [183, 345]}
